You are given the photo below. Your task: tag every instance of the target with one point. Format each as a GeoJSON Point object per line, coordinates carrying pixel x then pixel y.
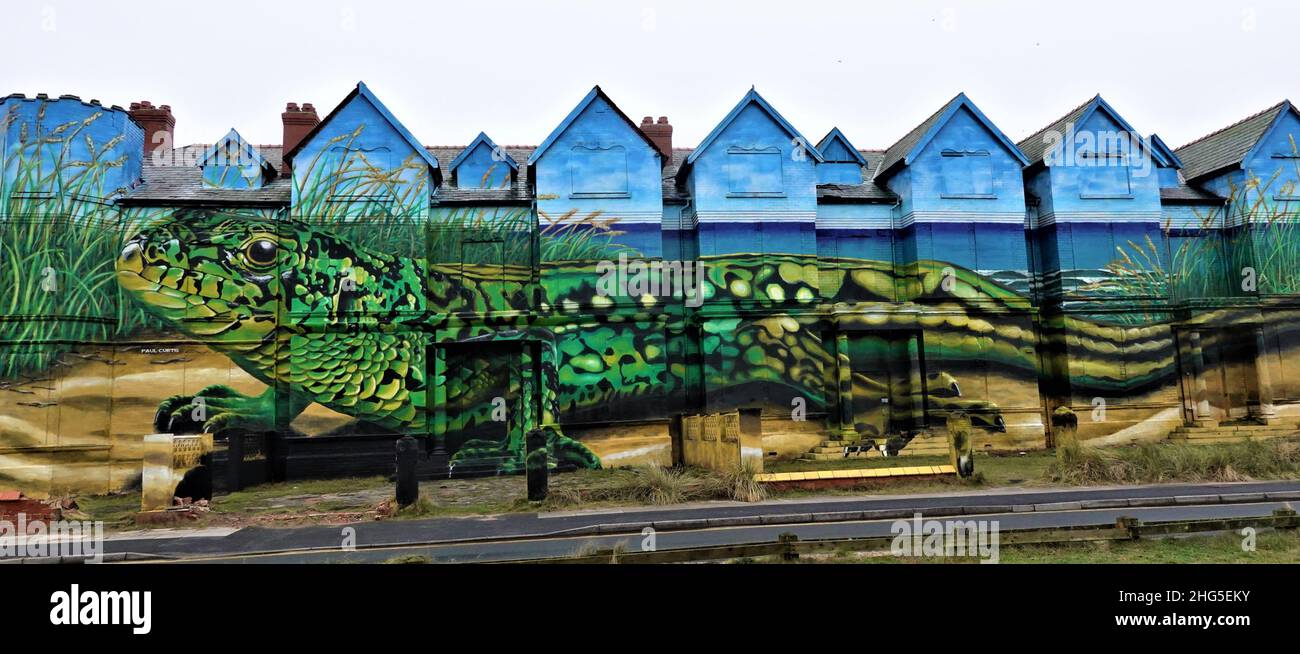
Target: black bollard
{"type": "Point", "coordinates": [408, 490]}
{"type": "Point", "coordinates": [536, 465]}
{"type": "Point", "coordinates": [234, 460]}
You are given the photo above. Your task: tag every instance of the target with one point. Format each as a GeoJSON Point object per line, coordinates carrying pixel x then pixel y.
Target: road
{"type": "Point", "coordinates": [563, 547]}
{"type": "Point", "coordinates": [533, 535]}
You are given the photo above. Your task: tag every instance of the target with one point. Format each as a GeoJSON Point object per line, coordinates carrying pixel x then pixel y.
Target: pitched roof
{"type": "Point", "coordinates": [247, 152]}
{"type": "Point", "coordinates": [518, 193]}
{"type": "Point", "coordinates": [1035, 145]}
{"type": "Point", "coordinates": [902, 152]}
{"type": "Point", "coordinates": [1162, 152]}
{"type": "Point", "coordinates": [752, 97]}
{"type": "Point", "coordinates": [1228, 146]}
{"type": "Point", "coordinates": [1185, 193]}
{"type": "Point", "coordinates": [364, 91]}
{"type": "Point", "coordinates": [591, 96]}
{"type": "Point", "coordinates": [179, 181]}
{"type": "Point", "coordinates": [867, 191]}
{"type": "Point", "coordinates": [482, 138]}
{"type": "Point", "coordinates": [836, 135]}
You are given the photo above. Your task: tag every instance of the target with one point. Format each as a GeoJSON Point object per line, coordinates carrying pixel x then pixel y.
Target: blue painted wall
{"type": "Point", "coordinates": [481, 168]}
{"type": "Point", "coordinates": [359, 164]}
{"type": "Point", "coordinates": [67, 148]}
{"type": "Point", "coordinates": [233, 163]}
{"type": "Point", "coordinates": [600, 167]}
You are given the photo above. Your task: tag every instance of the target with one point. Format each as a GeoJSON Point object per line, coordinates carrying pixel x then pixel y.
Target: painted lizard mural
{"type": "Point", "coordinates": [231, 282]}
{"type": "Point", "coordinates": [364, 302]}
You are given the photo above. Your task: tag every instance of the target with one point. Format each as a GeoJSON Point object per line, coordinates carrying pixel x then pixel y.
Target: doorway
{"type": "Point", "coordinates": [1218, 377]}
{"type": "Point", "coordinates": [483, 391]}
{"type": "Point", "coordinates": [888, 387]}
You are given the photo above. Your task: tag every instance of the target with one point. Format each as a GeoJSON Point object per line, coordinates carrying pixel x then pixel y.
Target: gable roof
{"type": "Point", "coordinates": [836, 135]}
{"type": "Point", "coordinates": [518, 194]}
{"type": "Point", "coordinates": [1035, 145]}
{"type": "Point", "coordinates": [482, 139]}
{"type": "Point", "coordinates": [1231, 145]}
{"type": "Point", "coordinates": [176, 180]}
{"type": "Point", "coordinates": [1162, 151]}
{"type": "Point", "coordinates": [905, 150]}
{"type": "Point", "coordinates": [752, 97]}
{"type": "Point", "coordinates": [563, 127]}
{"type": "Point", "coordinates": [247, 152]}
{"type": "Point", "coordinates": [364, 91]}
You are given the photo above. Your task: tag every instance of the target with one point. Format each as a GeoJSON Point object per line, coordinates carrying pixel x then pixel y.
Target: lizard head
{"type": "Point", "coordinates": [210, 274]}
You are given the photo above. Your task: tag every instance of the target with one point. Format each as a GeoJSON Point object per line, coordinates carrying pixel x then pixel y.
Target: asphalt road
{"type": "Point", "coordinates": [552, 547]}
{"type": "Point", "coordinates": [531, 535]}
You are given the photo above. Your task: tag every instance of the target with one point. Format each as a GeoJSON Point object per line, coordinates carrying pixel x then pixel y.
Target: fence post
{"type": "Point", "coordinates": [408, 489]}
{"type": "Point", "coordinates": [536, 465]}
{"type": "Point", "coordinates": [234, 460]}
{"type": "Point", "coordinates": [791, 543]}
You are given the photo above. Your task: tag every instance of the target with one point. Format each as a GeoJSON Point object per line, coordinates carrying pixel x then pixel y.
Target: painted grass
{"type": "Point", "coordinates": [58, 242]}
{"type": "Point", "coordinates": [1265, 236]}
{"type": "Point", "coordinates": [60, 237]}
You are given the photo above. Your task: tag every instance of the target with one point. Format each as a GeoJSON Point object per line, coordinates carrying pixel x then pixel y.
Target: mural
{"type": "Point", "coordinates": [387, 296]}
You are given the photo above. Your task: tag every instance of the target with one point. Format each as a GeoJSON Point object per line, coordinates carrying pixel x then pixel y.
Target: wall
{"type": "Point", "coordinates": [470, 325]}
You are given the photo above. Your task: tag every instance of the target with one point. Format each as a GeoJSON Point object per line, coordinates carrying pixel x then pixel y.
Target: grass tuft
{"type": "Point", "coordinates": [1164, 462]}
{"type": "Point", "coordinates": [658, 485]}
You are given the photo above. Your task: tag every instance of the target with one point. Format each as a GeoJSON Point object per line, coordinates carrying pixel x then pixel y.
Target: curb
{"type": "Point", "coordinates": [629, 528]}
{"type": "Point", "coordinates": [612, 528]}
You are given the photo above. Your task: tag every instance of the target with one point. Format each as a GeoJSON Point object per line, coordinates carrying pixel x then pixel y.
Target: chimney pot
{"type": "Point", "coordinates": [298, 121]}
{"type": "Point", "coordinates": [158, 124]}
{"type": "Point", "coordinates": [661, 134]}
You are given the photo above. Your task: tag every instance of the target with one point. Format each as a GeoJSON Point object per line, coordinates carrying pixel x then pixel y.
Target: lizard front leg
{"type": "Point", "coordinates": [218, 407]}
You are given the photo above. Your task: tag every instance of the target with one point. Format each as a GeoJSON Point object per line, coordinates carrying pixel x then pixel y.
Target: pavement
{"type": "Point", "coordinates": [536, 535]}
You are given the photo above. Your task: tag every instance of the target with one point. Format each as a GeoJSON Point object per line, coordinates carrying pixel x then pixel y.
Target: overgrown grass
{"type": "Point", "coordinates": [116, 511]}
{"type": "Point", "coordinates": [658, 485]}
{"type": "Point", "coordinates": [275, 497]}
{"type": "Point", "coordinates": [1270, 547]}
{"type": "Point", "coordinates": [1167, 462]}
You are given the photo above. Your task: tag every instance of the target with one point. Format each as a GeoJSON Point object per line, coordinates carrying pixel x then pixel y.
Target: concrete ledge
{"type": "Point", "coordinates": [1196, 499]}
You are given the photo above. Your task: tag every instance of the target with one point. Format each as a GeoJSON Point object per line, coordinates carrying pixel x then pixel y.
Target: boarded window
{"type": "Point", "coordinates": [967, 174]}
{"type": "Point", "coordinates": [1103, 175]}
{"type": "Point", "coordinates": [755, 172]}
{"type": "Point", "coordinates": [598, 172]}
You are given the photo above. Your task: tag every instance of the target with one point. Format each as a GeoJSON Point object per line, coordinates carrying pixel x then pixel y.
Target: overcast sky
{"type": "Point", "coordinates": [515, 68]}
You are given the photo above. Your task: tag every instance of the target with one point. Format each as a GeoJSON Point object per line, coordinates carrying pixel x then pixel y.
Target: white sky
{"type": "Point", "coordinates": [515, 68]}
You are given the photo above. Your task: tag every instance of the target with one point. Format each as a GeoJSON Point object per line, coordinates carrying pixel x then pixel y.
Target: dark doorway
{"type": "Point", "coordinates": [888, 382]}
{"type": "Point", "coordinates": [483, 388]}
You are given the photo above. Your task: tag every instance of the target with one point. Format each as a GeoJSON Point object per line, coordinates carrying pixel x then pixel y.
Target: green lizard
{"type": "Point", "coordinates": [286, 302]}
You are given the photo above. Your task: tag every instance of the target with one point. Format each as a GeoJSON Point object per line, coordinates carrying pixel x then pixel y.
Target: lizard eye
{"type": "Point", "coordinates": [260, 252]}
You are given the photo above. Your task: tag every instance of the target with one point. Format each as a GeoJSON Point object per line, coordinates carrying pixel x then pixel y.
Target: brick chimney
{"type": "Point", "coordinates": [158, 124]}
{"type": "Point", "coordinates": [297, 123]}
{"type": "Point", "coordinates": [661, 133]}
